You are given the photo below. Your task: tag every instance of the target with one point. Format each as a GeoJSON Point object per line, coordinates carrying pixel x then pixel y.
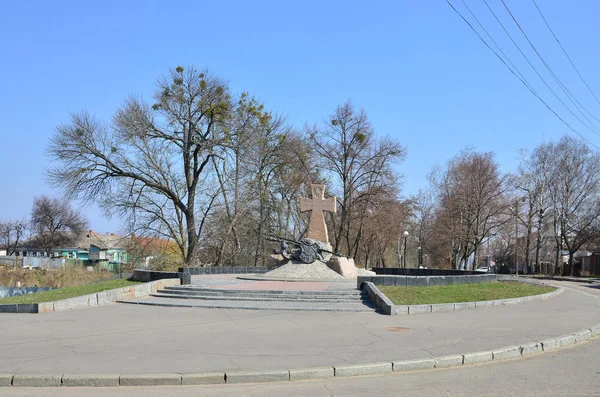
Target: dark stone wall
{"type": "Point", "coordinates": [19, 308]}
{"type": "Point", "coordinates": [151, 275]}
{"type": "Point", "coordinates": [423, 272]}
{"type": "Point", "coordinates": [224, 270]}
{"type": "Point", "coordinates": [423, 281]}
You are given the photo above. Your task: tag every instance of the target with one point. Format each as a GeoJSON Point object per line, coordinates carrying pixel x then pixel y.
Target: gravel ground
{"type": "Point", "coordinates": [313, 270]}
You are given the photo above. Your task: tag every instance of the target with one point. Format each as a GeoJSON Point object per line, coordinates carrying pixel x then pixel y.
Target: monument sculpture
{"type": "Point", "coordinates": [306, 250]}
{"type": "Point", "coordinates": [313, 255]}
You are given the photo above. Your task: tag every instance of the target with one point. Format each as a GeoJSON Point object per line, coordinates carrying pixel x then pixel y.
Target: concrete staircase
{"type": "Point", "coordinates": [194, 296]}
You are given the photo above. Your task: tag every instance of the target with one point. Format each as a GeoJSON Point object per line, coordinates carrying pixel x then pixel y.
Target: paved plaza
{"type": "Point", "coordinates": [137, 339]}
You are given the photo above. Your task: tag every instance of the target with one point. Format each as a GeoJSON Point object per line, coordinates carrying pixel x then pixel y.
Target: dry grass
{"type": "Point", "coordinates": [57, 278]}
{"type": "Point", "coordinates": [69, 292]}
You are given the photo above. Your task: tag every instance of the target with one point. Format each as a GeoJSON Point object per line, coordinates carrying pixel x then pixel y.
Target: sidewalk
{"type": "Point", "coordinates": [146, 340]}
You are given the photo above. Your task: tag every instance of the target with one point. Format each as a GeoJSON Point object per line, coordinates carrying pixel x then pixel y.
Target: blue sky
{"type": "Point", "coordinates": [419, 72]}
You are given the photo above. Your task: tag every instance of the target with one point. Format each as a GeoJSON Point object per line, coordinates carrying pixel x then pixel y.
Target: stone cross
{"type": "Point", "coordinates": [317, 230]}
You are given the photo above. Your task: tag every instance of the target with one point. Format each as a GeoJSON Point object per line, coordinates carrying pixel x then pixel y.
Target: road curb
{"type": "Point", "coordinates": [299, 374]}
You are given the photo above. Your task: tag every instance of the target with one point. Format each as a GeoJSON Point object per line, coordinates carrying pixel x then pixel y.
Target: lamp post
{"type": "Point", "coordinates": [419, 259]}
{"type": "Point", "coordinates": [405, 234]}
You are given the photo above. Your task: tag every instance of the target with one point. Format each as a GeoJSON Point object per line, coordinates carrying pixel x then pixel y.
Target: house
{"type": "Point", "coordinates": [24, 251]}
{"type": "Point", "coordinates": [106, 250]}
{"type": "Point", "coordinates": [70, 253]}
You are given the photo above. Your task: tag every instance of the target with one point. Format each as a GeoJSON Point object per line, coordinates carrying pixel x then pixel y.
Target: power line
{"type": "Point", "coordinates": [564, 89]}
{"type": "Point", "coordinates": [494, 41]}
{"type": "Point", "coordinates": [536, 71]}
{"type": "Point", "coordinates": [519, 78]}
{"type": "Point", "coordinates": [565, 52]}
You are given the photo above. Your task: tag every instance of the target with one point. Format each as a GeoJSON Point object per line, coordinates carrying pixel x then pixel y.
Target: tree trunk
{"type": "Point", "coordinates": [539, 241]}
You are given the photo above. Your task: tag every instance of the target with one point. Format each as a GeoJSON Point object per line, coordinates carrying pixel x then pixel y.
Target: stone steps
{"type": "Point", "coordinates": [193, 296]}
{"type": "Point", "coordinates": [350, 294]}
{"type": "Point", "coordinates": [259, 297]}
{"type": "Point", "coordinates": [194, 290]}
{"type": "Point", "coordinates": [358, 306]}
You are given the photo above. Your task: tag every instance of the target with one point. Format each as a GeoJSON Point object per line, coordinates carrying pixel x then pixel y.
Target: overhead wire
{"type": "Point", "coordinates": [591, 128]}
{"type": "Point", "coordinates": [565, 52]}
{"type": "Point", "coordinates": [528, 86]}
{"type": "Point", "coordinates": [494, 41]}
{"type": "Point", "coordinates": [564, 89]}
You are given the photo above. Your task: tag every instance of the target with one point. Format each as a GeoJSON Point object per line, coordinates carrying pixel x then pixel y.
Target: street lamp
{"type": "Point", "coordinates": [419, 260]}
{"type": "Point", "coordinates": [405, 234]}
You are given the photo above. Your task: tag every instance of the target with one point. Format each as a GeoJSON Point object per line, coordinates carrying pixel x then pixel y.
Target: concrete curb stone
{"type": "Point", "coordinates": [464, 305]}
{"type": "Point", "coordinates": [442, 307]}
{"type": "Point", "coordinates": [582, 335]}
{"type": "Point", "coordinates": [99, 380]}
{"type": "Point", "coordinates": [412, 365]}
{"type": "Point", "coordinates": [477, 357]}
{"type": "Point", "coordinates": [453, 360]}
{"type": "Point", "coordinates": [549, 344]}
{"type": "Point", "coordinates": [418, 309]}
{"type": "Point", "coordinates": [531, 348]}
{"type": "Point", "coordinates": [150, 380]}
{"type": "Point", "coordinates": [6, 379]}
{"type": "Point", "coordinates": [363, 369]}
{"type": "Point", "coordinates": [506, 352]}
{"type": "Point", "coordinates": [207, 378]}
{"type": "Point", "coordinates": [37, 380]}
{"type": "Point", "coordinates": [257, 376]}
{"type": "Point", "coordinates": [595, 330]}
{"type": "Point", "coordinates": [566, 340]}
{"type": "Point", "coordinates": [311, 373]}
{"type": "Point", "coordinates": [399, 309]}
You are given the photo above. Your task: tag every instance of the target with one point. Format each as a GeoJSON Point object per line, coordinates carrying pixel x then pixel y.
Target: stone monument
{"type": "Point", "coordinates": [312, 257]}
{"type": "Point", "coordinates": [317, 230]}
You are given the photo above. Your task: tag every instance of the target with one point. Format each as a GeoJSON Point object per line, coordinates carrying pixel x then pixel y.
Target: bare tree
{"type": "Point", "coordinates": [577, 194]}
{"type": "Point", "coordinates": [359, 167]}
{"type": "Point", "coordinates": [54, 223]}
{"type": "Point", "coordinates": [423, 214]}
{"type": "Point", "coordinates": [12, 233]}
{"type": "Point", "coordinates": [151, 165]}
{"type": "Point", "coordinates": [471, 203]}
{"type": "Point", "coordinates": [532, 183]}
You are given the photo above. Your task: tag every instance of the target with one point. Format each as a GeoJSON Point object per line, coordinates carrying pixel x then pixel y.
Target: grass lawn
{"type": "Point", "coordinates": [460, 293]}
{"type": "Point", "coordinates": [69, 292]}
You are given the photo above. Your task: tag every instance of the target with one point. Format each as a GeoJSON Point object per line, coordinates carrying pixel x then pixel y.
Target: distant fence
{"type": "Point", "coordinates": [9, 260]}
{"type": "Point", "coordinates": [17, 291]}
{"type": "Point", "coordinates": [40, 262]}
